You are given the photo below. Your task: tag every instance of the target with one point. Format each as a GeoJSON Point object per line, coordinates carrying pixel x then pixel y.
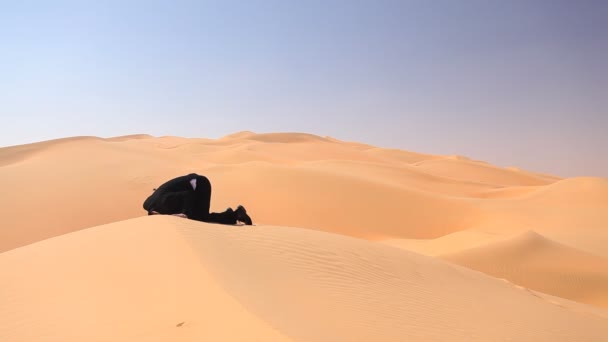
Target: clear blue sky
{"type": "Point", "coordinates": [515, 83]}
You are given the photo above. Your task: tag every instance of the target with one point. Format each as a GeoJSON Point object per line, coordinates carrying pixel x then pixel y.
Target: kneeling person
{"type": "Point", "coordinates": [190, 196]}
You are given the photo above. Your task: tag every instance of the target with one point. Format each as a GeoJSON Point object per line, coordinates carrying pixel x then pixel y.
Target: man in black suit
{"type": "Point", "coordinates": [190, 196]}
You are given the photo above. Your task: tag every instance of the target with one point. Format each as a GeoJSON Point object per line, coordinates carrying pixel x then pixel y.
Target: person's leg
{"type": "Point", "coordinates": [241, 215]}
{"type": "Point", "coordinates": [230, 216]}
{"type": "Point", "coordinates": [226, 217]}
{"type": "Point", "coordinates": [201, 202]}
{"type": "Point", "coordinates": [197, 206]}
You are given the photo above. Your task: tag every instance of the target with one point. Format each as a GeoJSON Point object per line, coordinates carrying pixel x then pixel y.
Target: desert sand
{"type": "Point", "coordinates": [351, 243]}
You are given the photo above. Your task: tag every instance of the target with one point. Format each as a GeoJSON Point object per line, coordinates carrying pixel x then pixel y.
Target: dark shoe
{"type": "Point", "coordinates": [241, 215]}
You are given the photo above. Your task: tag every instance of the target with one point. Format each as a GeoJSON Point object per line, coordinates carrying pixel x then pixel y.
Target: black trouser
{"type": "Point", "coordinates": [189, 195]}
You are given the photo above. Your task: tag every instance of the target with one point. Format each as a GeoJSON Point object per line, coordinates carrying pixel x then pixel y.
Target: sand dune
{"type": "Point", "coordinates": [468, 170]}
{"type": "Point", "coordinates": [165, 278]}
{"type": "Point", "coordinates": [285, 137]}
{"type": "Point", "coordinates": [531, 260]}
{"type": "Point", "coordinates": [506, 192]}
{"type": "Point", "coordinates": [130, 137]}
{"type": "Point", "coordinates": [338, 202]}
{"type": "Point", "coordinates": [393, 155]}
{"type": "Point", "coordinates": [271, 279]}
{"type": "Point", "coordinates": [573, 212]}
{"type": "Point", "coordinates": [400, 176]}
{"type": "Point", "coordinates": [450, 243]}
{"type": "Point", "coordinates": [104, 181]}
{"type": "Point", "coordinates": [327, 174]}
{"type": "Point", "coordinates": [579, 191]}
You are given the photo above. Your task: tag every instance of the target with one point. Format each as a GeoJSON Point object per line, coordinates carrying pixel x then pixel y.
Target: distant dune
{"type": "Point", "coordinates": [533, 261]}
{"type": "Point", "coordinates": [351, 270]}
